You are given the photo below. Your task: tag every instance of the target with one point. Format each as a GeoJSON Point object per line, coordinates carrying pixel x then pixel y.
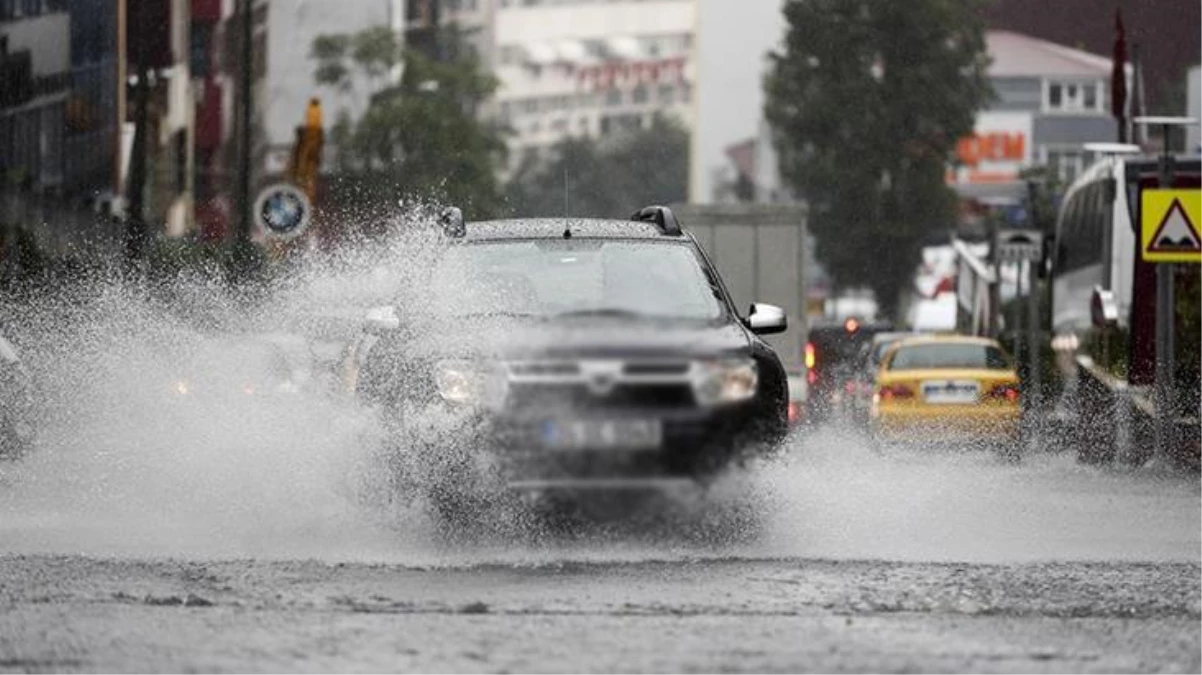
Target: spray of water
{"type": "Point", "coordinates": [163, 434]}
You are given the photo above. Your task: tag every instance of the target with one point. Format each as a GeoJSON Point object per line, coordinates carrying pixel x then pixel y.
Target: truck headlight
{"type": "Point", "coordinates": [725, 381]}
{"type": "Point", "coordinates": [468, 383]}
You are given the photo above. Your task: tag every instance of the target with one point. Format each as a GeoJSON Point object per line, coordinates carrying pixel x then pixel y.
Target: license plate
{"type": "Point", "coordinates": [638, 434]}
{"type": "Point", "coordinates": [951, 391]}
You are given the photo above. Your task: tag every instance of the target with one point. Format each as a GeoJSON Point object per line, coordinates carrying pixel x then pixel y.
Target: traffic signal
{"type": "Point", "coordinates": [851, 325]}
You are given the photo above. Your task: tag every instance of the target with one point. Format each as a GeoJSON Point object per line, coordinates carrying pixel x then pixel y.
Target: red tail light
{"type": "Point", "coordinates": [794, 412]}
{"type": "Point", "coordinates": [812, 377]}
{"type": "Point", "coordinates": [1006, 392]}
{"type": "Point", "coordinates": [894, 391]}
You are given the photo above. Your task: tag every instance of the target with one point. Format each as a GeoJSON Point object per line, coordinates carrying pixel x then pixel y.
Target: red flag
{"type": "Point", "coordinates": [1118, 75]}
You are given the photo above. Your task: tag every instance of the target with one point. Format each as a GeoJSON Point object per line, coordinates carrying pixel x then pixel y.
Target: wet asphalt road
{"type": "Point", "coordinates": [911, 563]}
{"type": "Point", "coordinates": [704, 615]}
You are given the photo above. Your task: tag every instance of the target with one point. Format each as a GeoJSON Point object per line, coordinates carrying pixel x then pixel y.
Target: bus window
{"type": "Point", "coordinates": [1083, 228]}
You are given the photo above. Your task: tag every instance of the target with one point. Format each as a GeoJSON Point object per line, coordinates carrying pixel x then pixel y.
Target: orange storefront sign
{"type": "Point", "coordinates": [993, 146]}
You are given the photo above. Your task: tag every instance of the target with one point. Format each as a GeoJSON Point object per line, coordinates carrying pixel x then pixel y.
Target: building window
{"type": "Point", "coordinates": [667, 94]}
{"type": "Point", "coordinates": [1072, 96]}
{"type": "Point", "coordinates": [639, 95]}
{"type": "Point", "coordinates": [1090, 97]}
{"type": "Point", "coordinates": [613, 97]}
{"type": "Point", "coordinates": [1064, 163]}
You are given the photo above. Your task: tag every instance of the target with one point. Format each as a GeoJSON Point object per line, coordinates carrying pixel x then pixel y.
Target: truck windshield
{"type": "Point", "coordinates": [582, 277]}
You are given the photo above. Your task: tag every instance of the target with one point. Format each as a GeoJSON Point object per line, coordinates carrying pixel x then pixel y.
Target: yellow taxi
{"type": "Point", "coordinates": [942, 388]}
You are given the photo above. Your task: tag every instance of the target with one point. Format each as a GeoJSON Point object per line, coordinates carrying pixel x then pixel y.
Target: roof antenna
{"type": "Point", "coordinates": [567, 230]}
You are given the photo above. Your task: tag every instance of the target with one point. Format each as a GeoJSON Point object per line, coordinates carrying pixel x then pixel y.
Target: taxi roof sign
{"type": "Point", "coordinates": [1170, 223]}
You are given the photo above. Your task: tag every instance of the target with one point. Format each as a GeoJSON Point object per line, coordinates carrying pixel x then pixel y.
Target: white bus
{"type": "Point", "coordinates": [1096, 238]}
{"type": "Point", "coordinates": [1093, 248]}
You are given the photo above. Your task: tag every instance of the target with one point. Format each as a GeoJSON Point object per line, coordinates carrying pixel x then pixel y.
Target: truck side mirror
{"type": "Point", "coordinates": [765, 319]}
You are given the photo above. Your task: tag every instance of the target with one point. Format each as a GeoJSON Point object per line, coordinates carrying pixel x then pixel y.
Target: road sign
{"type": "Point", "coordinates": [1170, 223]}
{"type": "Point", "coordinates": [283, 210]}
{"type": "Point", "coordinates": [1019, 246]}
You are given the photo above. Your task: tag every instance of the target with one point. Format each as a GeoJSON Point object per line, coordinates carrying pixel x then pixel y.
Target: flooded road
{"type": "Point", "coordinates": [160, 526]}
{"type": "Point", "coordinates": [910, 561]}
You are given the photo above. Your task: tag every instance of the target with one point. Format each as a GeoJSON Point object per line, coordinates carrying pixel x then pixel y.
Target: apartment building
{"type": "Point", "coordinates": [588, 67]}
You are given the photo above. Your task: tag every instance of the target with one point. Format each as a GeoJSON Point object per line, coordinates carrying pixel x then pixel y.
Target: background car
{"type": "Point", "coordinates": [797, 397]}
{"type": "Point", "coordinates": [956, 389]}
{"type": "Point", "coordinates": [830, 361]}
{"type": "Point", "coordinates": [867, 364]}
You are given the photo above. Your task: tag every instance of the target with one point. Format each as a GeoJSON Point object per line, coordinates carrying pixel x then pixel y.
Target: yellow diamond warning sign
{"type": "Point", "coordinates": [1171, 225]}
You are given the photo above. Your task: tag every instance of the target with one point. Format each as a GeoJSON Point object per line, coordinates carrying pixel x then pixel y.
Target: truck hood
{"type": "Point", "coordinates": [592, 338]}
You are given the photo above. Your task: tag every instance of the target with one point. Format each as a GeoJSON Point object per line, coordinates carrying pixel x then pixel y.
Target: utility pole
{"type": "Point", "coordinates": [122, 82]}
{"type": "Point", "coordinates": [1034, 349]}
{"type": "Point", "coordinates": [992, 327]}
{"type": "Point", "coordinates": [135, 224]}
{"type": "Point", "coordinates": [1166, 407]}
{"type": "Point", "coordinates": [243, 221]}
{"type": "Point", "coordinates": [1165, 356]}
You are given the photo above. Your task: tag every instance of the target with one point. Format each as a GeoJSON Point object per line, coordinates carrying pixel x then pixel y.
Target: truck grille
{"type": "Point", "coordinates": [600, 384]}
{"type": "Point", "coordinates": [535, 397]}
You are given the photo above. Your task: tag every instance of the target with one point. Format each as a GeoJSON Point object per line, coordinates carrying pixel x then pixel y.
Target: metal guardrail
{"type": "Point", "coordinates": [974, 277]}
{"type": "Point", "coordinates": [1116, 422]}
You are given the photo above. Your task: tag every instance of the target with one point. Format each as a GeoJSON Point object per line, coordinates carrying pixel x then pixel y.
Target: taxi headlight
{"type": "Point", "coordinates": [725, 381]}
{"type": "Point", "coordinates": [468, 383]}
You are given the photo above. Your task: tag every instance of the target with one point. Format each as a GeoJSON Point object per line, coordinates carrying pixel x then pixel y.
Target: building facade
{"type": "Point", "coordinates": [1050, 101]}
{"type": "Point", "coordinates": [35, 85]}
{"type": "Point", "coordinates": [588, 67]}
{"type": "Point", "coordinates": [217, 66]}
{"type": "Point", "coordinates": [164, 28]}
{"type": "Point", "coordinates": [1162, 36]}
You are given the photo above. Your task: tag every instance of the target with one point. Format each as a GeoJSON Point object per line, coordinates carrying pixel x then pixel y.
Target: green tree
{"type": "Point", "coordinates": [866, 101]}
{"type": "Point", "coordinates": [609, 177]}
{"type": "Point", "coordinates": [419, 139]}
